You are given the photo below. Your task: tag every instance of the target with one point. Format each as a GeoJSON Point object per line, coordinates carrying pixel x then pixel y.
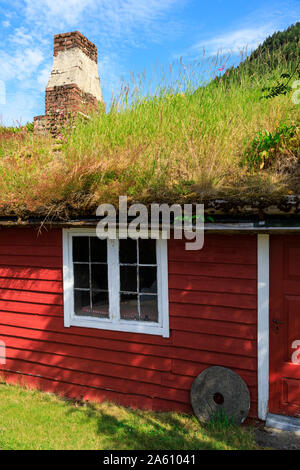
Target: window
{"type": "Point", "coordinates": [115, 284]}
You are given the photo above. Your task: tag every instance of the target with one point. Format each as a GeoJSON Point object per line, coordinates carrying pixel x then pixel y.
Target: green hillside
{"type": "Point", "coordinates": [281, 46]}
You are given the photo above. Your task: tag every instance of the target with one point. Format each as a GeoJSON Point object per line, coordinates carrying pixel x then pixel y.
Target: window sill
{"type": "Point", "coordinates": [134, 327]}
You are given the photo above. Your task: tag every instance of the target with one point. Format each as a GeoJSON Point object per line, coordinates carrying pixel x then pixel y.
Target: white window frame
{"type": "Point", "coordinates": [114, 322]}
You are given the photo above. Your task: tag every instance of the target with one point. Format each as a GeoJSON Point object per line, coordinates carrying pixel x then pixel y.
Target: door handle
{"type": "Point", "coordinates": [277, 322]}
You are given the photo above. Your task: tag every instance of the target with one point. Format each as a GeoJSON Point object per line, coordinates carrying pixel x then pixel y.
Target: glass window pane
{"type": "Point", "coordinates": [99, 276]}
{"type": "Point", "coordinates": [98, 250]}
{"type": "Point", "coordinates": [128, 251]}
{"type": "Point", "coordinates": [128, 278]}
{"type": "Point", "coordinates": [148, 306]}
{"type": "Point", "coordinates": [148, 279]}
{"type": "Point", "coordinates": [147, 251]}
{"type": "Point", "coordinates": [100, 305]}
{"type": "Point", "coordinates": [81, 276]}
{"type": "Point", "coordinates": [129, 307]}
{"type": "Point", "coordinates": [81, 249]}
{"type": "Point", "coordinates": [82, 303]}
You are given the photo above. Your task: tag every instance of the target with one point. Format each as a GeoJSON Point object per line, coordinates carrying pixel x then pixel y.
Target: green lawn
{"type": "Point", "coordinates": [35, 420]}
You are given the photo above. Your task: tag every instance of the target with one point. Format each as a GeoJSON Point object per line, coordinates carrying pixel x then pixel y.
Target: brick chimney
{"type": "Point", "coordinates": [74, 83]}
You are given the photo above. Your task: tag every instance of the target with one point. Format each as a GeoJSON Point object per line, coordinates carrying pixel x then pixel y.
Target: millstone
{"type": "Point", "coordinates": [218, 390]}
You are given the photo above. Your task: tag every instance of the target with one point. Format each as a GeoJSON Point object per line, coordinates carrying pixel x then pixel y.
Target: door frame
{"type": "Point", "coordinates": [263, 342]}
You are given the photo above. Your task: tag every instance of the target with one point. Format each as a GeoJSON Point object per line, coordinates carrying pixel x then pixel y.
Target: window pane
{"type": "Point", "coordinates": [138, 282]}
{"type": "Point", "coordinates": [128, 251]}
{"type": "Point", "coordinates": [99, 276]}
{"type": "Point", "coordinates": [81, 276]}
{"type": "Point", "coordinates": [88, 274]}
{"type": "Point", "coordinates": [148, 306]}
{"type": "Point", "coordinates": [98, 250]}
{"type": "Point", "coordinates": [82, 303]}
{"type": "Point", "coordinates": [81, 249]}
{"type": "Point", "coordinates": [148, 282]}
{"type": "Point", "coordinates": [128, 307]}
{"type": "Point", "coordinates": [147, 251]}
{"type": "Point", "coordinates": [100, 305]}
{"type": "Point", "coordinates": [128, 278]}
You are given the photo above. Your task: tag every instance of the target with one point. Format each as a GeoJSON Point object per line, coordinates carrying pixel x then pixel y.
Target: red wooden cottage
{"type": "Point", "coordinates": [67, 332]}
{"type": "Point", "coordinates": [135, 321]}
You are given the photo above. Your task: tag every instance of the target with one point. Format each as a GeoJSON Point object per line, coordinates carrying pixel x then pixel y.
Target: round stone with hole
{"type": "Point", "coordinates": [220, 393]}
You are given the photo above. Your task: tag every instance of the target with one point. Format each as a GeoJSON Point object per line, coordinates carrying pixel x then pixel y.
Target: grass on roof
{"type": "Point", "coordinates": [190, 141]}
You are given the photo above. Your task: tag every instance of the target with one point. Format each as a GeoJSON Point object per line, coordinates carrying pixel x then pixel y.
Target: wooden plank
{"type": "Point", "coordinates": [212, 298]}
{"type": "Point", "coordinates": [212, 284]}
{"type": "Point", "coordinates": [59, 340]}
{"type": "Point", "coordinates": [180, 338]}
{"type": "Point", "coordinates": [192, 369]}
{"type": "Point", "coordinates": [15, 272]}
{"type": "Point", "coordinates": [217, 249]}
{"type": "Point", "coordinates": [98, 395]}
{"type": "Point", "coordinates": [32, 297]}
{"type": "Point", "coordinates": [84, 365]}
{"type": "Point", "coordinates": [239, 347]}
{"type": "Point", "coordinates": [212, 327]}
{"type": "Point", "coordinates": [126, 372]}
{"type": "Point", "coordinates": [80, 392]}
{"type": "Point", "coordinates": [31, 261]}
{"type": "Point", "coordinates": [80, 378]}
{"type": "Point", "coordinates": [28, 308]}
{"type": "Point", "coordinates": [213, 312]}
{"type": "Point", "coordinates": [31, 285]}
{"type": "Point", "coordinates": [54, 323]}
{"type": "Point", "coordinates": [93, 380]}
{"type": "Point", "coordinates": [216, 269]}
{"type": "Point", "coordinates": [30, 236]}
{"type": "Point", "coordinates": [211, 358]}
{"type": "Point", "coordinates": [83, 352]}
{"type": "Point", "coordinates": [28, 250]}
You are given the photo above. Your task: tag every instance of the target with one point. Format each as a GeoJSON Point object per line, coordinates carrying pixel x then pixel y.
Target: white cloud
{"type": "Point", "coordinates": [109, 19]}
{"type": "Point", "coordinates": [28, 62]}
{"type": "Point", "coordinates": [235, 41]}
{"type": "Point", "coordinates": [21, 37]}
{"type": "Point", "coordinates": [5, 24]}
{"type": "Point", "coordinates": [131, 12]}
{"type": "Point", "coordinates": [21, 65]}
{"type": "Point", "coordinates": [57, 12]}
{"type": "Point", "coordinates": [114, 11]}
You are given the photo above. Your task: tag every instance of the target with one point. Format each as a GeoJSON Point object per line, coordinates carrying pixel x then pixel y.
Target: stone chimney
{"type": "Point", "coordinates": [74, 83]}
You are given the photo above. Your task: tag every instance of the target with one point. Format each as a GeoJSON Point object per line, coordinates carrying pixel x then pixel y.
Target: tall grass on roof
{"type": "Point", "coordinates": [183, 140]}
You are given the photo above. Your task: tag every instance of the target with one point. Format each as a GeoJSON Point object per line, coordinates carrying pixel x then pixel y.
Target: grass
{"type": "Point", "coordinates": [193, 139]}
{"type": "Point", "coordinates": [33, 420]}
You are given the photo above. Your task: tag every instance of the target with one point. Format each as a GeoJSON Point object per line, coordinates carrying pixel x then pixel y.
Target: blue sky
{"type": "Point", "coordinates": [131, 35]}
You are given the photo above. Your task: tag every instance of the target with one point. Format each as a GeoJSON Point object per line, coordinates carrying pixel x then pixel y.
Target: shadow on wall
{"type": "Point", "coordinates": [141, 371]}
{"type": "Point", "coordinates": [75, 362]}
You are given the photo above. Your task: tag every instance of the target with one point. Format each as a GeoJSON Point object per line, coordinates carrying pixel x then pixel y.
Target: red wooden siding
{"type": "Point", "coordinates": [212, 322]}
{"type": "Point", "coordinates": [284, 308]}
